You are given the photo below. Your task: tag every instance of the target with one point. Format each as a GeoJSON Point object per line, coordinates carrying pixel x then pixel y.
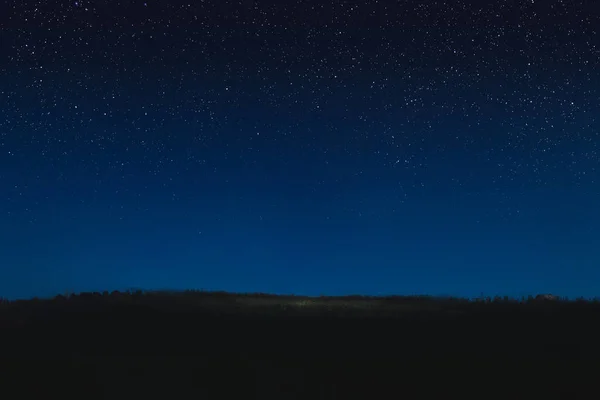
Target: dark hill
{"type": "Point", "coordinates": [170, 344]}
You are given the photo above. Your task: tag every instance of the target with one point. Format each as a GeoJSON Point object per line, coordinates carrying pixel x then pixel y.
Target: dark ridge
{"type": "Point", "coordinates": [265, 345]}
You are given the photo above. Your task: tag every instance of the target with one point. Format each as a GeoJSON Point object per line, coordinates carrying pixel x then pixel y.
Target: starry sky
{"type": "Point", "coordinates": [308, 147]}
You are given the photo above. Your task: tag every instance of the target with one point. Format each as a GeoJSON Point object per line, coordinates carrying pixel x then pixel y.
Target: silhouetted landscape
{"type": "Point", "coordinates": [163, 344]}
{"type": "Point", "coordinates": [309, 147]}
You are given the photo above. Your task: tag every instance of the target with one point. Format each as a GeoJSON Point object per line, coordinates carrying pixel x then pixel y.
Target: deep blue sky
{"type": "Point", "coordinates": [310, 147]}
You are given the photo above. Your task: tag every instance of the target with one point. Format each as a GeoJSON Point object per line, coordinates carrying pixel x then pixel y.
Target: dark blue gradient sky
{"type": "Point", "coordinates": [300, 147]}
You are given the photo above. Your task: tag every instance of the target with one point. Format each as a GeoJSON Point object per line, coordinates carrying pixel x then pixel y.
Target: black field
{"type": "Point", "coordinates": [168, 345]}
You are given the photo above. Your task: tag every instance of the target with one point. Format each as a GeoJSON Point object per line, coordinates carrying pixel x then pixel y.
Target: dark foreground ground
{"type": "Point", "coordinates": [217, 345]}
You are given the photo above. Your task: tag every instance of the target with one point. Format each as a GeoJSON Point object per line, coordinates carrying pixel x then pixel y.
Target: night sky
{"type": "Point", "coordinates": [308, 147]}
